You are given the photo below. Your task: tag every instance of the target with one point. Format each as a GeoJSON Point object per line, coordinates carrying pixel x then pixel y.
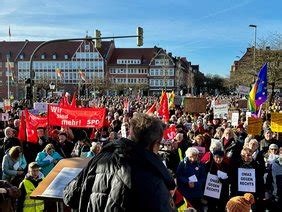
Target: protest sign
{"type": "Point", "coordinates": [220, 111]}
{"type": "Point", "coordinates": [195, 105]}
{"type": "Point", "coordinates": [276, 122]}
{"type": "Point", "coordinates": [244, 90]}
{"type": "Point", "coordinates": [254, 126]}
{"type": "Point", "coordinates": [76, 117]}
{"type": "Point", "coordinates": [242, 103]}
{"type": "Point", "coordinates": [213, 186]}
{"type": "Point", "coordinates": [40, 106]}
{"type": "Point", "coordinates": [1, 105]}
{"type": "Point", "coordinates": [246, 180]}
{"type": "Point", "coordinates": [4, 116]}
{"type": "Point", "coordinates": [7, 104]}
{"type": "Point", "coordinates": [234, 119]}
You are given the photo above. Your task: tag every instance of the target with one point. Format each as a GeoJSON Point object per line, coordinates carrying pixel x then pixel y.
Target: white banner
{"type": "Point", "coordinates": [213, 186]}
{"type": "Point", "coordinates": [234, 119]}
{"type": "Point", "coordinates": [246, 180]}
{"type": "Point", "coordinates": [220, 111]}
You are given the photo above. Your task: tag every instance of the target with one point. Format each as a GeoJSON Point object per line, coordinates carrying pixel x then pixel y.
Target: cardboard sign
{"type": "Point", "coordinates": [220, 111]}
{"type": "Point", "coordinates": [276, 122]}
{"type": "Point", "coordinates": [40, 106]}
{"type": "Point", "coordinates": [246, 180]}
{"type": "Point", "coordinates": [4, 116]}
{"type": "Point", "coordinates": [195, 105]}
{"type": "Point", "coordinates": [254, 126]}
{"type": "Point", "coordinates": [213, 186]}
{"type": "Point", "coordinates": [234, 119]}
{"type": "Point", "coordinates": [242, 103]}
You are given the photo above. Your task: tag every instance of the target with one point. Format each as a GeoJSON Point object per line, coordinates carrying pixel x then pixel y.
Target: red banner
{"type": "Point", "coordinates": [76, 117]}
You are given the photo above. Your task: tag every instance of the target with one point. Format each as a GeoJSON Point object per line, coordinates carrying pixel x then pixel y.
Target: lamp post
{"type": "Point", "coordinates": [52, 87]}
{"type": "Point", "coordinates": [255, 46]}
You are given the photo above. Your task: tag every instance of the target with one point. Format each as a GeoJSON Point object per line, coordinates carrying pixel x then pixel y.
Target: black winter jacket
{"type": "Point", "coordinates": [123, 177]}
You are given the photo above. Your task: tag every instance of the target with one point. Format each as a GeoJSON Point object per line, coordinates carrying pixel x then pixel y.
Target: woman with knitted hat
{"type": "Point", "coordinates": [240, 203]}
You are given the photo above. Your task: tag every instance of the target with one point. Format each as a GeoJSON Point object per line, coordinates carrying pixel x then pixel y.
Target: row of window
{"type": "Point", "coordinates": [129, 80]}
{"type": "Point", "coordinates": [128, 71]}
{"type": "Point", "coordinates": [162, 72]}
{"type": "Point", "coordinates": [161, 82]}
{"type": "Point", "coordinates": [78, 55]}
{"type": "Point", "coordinates": [159, 62]}
{"type": "Point", "coordinates": [125, 61]}
{"type": "Point", "coordinates": [63, 65]}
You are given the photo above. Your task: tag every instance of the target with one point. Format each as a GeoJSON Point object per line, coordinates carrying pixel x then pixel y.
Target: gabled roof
{"type": "Point", "coordinates": [144, 54]}
{"type": "Point", "coordinates": [60, 48]}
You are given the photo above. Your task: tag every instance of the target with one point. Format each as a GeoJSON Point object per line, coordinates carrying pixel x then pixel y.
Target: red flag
{"type": "Point", "coordinates": [32, 123]}
{"type": "Point", "coordinates": [170, 132]}
{"type": "Point", "coordinates": [163, 109]}
{"type": "Point", "coordinates": [152, 109]}
{"type": "Point", "coordinates": [22, 133]}
{"type": "Point", "coordinates": [73, 101]}
{"type": "Point", "coordinates": [92, 136]}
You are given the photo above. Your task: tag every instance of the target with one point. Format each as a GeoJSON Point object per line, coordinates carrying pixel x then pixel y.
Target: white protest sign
{"type": "Point", "coordinates": [234, 119]}
{"type": "Point", "coordinates": [40, 106]}
{"type": "Point", "coordinates": [220, 111]}
{"type": "Point", "coordinates": [243, 90]}
{"type": "Point", "coordinates": [213, 186]}
{"type": "Point", "coordinates": [4, 117]}
{"type": "Point", "coordinates": [246, 180]}
{"type": "Point", "coordinates": [1, 105]}
{"type": "Point", "coordinates": [248, 114]}
{"type": "Point", "coordinates": [123, 132]}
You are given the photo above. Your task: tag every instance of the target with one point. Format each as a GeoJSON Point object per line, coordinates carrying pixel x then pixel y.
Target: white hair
{"type": "Point", "coordinates": [6, 131]}
{"type": "Point", "coordinates": [215, 145]}
{"type": "Point", "coordinates": [191, 151]}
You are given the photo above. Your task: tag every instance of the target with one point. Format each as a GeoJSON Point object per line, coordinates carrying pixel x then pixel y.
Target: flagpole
{"type": "Point", "coordinates": [8, 75]}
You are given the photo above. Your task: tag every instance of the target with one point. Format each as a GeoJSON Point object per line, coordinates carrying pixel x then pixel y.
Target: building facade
{"type": "Point", "coordinates": [79, 66]}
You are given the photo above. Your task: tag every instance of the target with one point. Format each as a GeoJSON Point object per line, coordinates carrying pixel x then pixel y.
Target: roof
{"type": "Point", "coordinates": [144, 54]}
{"type": "Point", "coordinates": [58, 48]}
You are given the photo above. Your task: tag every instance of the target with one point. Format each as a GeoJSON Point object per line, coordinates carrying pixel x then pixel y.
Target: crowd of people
{"type": "Point", "coordinates": [145, 168]}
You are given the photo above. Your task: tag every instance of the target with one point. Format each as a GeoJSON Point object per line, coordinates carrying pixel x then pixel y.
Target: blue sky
{"type": "Point", "coordinates": [210, 33]}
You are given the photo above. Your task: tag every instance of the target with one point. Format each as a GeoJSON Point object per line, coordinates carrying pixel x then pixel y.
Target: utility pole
{"type": "Point", "coordinates": [255, 46]}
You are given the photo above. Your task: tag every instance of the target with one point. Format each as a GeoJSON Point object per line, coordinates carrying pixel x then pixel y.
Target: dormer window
{"type": "Point", "coordinates": [54, 56]}
{"type": "Point", "coordinates": [43, 56]}
{"type": "Point", "coordinates": [21, 56]}
{"type": "Point", "coordinates": [66, 56]}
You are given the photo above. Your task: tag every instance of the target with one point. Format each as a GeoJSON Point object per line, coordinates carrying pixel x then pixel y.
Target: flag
{"type": "Point", "coordinates": [258, 93]}
{"type": "Point", "coordinates": [32, 123]}
{"type": "Point", "coordinates": [170, 132]}
{"type": "Point", "coordinates": [22, 127]}
{"type": "Point", "coordinates": [161, 103]}
{"type": "Point", "coordinates": [73, 101]}
{"type": "Point", "coordinates": [82, 75]}
{"type": "Point", "coordinates": [152, 109]}
{"type": "Point", "coordinates": [9, 32]}
{"type": "Point", "coordinates": [163, 109]}
{"type": "Point", "coordinates": [171, 100]}
{"type": "Point", "coordinates": [59, 73]}
{"type": "Point", "coordinates": [126, 105]}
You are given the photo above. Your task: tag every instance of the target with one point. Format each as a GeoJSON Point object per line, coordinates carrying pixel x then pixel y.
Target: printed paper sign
{"type": "Point", "coordinates": [193, 179]}
{"type": "Point", "coordinates": [234, 119]}
{"type": "Point", "coordinates": [246, 180]}
{"type": "Point", "coordinates": [213, 186]}
{"type": "Point", "coordinates": [4, 116]}
{"type": "Point", "coordinates": [40, 106]}
{"type": "Point", "coordinates": [220, 111]}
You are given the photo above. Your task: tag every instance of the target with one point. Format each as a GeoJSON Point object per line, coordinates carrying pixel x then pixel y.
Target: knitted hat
{"type": "Point", "coordinates": [219, 153]}
{"type": "Point", "coordinates": [240, 203]}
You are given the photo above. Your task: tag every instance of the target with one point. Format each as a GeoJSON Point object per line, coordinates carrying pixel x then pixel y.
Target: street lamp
{"type": "Point", "coordinates": [255, 46]}
{"type": "Point", "coordinates": [52, 87]}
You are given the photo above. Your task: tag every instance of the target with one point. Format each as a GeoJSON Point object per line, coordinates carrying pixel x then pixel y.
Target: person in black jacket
{"type": "Point", "coordinates": [127, 175]}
